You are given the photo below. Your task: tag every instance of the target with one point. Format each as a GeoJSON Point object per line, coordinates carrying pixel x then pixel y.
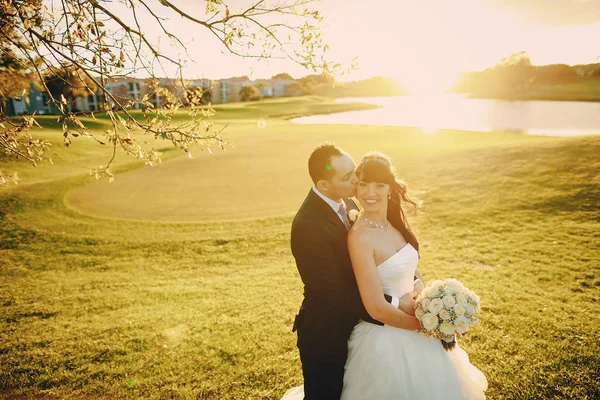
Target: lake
{"type": "Point", "coordinates": [456, 111]}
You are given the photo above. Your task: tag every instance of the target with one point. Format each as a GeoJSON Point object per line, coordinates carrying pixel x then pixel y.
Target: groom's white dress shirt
{"type": "Point", "coordinates": [335, 206]}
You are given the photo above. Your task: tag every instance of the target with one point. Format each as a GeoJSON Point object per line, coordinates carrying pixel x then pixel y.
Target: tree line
{"type": "Point", "coordinates": [516, 73]}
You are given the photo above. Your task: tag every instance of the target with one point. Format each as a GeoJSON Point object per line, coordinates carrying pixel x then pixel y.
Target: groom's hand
{"type": "Point", "coordinates": [407, 303]}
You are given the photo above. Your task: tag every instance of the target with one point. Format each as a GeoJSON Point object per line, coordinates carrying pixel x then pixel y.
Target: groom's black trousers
{"type": "Point", "coordinates": [323, 379]}
{"type": "Point", "coordinates": [323, 343]}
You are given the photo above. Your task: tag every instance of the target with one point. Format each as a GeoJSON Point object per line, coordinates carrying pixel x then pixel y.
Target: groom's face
{"type": "Point", "coordinates": [343, 182]}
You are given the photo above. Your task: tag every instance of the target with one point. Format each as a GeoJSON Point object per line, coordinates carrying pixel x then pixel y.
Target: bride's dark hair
{"type": "Point", "coordinates": [377, 167]}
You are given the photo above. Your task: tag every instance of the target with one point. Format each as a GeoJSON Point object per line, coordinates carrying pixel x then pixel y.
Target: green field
{"type": "Point", "coordinates": [177, 281]}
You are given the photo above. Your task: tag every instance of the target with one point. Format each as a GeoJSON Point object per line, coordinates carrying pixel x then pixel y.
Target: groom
{"type": "Point", "coordinates": [332, 304]}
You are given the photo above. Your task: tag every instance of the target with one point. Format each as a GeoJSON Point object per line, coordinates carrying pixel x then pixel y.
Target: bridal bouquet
{"type": "Point", "coordinates": [446, 309]}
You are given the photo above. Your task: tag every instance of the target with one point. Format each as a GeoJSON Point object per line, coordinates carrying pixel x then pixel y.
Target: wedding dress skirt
{"type": "Point", "coordinates": [390, 363]}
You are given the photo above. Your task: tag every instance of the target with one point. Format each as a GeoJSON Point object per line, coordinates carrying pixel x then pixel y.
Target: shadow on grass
{"type": "Point", "coordinates": [12, 237]}
{"type": "Point", "coordinates": [576, 198]}
{"type": "Point", "coordinates": [51, 122]}
{"type": "Point", "coordinates": [561, 385]}
{"type": "Point", "coordinates": [35, 314]}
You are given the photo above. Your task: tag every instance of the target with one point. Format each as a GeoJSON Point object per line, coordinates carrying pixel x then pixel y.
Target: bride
{"type": "Point", "coordinates": [385, 362]}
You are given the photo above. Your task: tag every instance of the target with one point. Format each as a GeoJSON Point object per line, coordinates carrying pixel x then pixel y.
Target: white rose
{"type": "Point", "coordinates": [430, 321]}
{"type": "Point", "coordinates": [425, 303]}
{"type": "Point", "coordinates": [470, 309]}
{"type": "Point", "coordinates": [457, 286]}
{"type": "Point", "coordinates": [452, 286]}
{"type": "Point", "coordinates": [473, 297]}
{"type": "Point", "coordinates": [419, 313]}
{"type": "Point", "coordinates": [449, 302]}
{"type": "Point", "coordinates": [437, 283]}
{"type": "Point", "coordinates": [432, 292]}
{"type": "Point", "coordinates": [459, 310]}
{"type": "Point", "coordinates": [444, 314]}
{"type": "Point", "coordinates": [352, 215]}
{"type": "Point", "coordinates": [436, 306]}
{"type": "Point", "coordinates": [449, 290]}
{"type": "Point", "coordinates": [446, 328]}
{"type": "Point", "coordinates": [461, 324]}
{"type": "Point", "coordinates": [461, 298]}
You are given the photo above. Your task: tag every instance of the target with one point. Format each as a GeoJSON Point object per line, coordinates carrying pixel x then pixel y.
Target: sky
{"type": "Point", "coordinates": [415, 40]}
{"type": "Point", "coordinates": [420, 42]}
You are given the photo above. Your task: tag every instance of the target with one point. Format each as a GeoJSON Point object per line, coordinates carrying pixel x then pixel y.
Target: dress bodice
{"type": "Point", "coordinates": [397, 272]}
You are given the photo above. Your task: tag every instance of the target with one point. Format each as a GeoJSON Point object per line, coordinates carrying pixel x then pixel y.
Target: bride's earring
{"type": "Point", "coordinates": [389, 196]}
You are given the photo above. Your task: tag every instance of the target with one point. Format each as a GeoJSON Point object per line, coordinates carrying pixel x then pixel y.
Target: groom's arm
{"type": "Point", "coordinates": [353, 297]}
{"type": "Point", "coordinates": [322, 274]}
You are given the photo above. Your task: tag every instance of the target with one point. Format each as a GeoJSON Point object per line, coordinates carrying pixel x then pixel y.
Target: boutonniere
{"type": "Point", "coordinates": [353, 216]}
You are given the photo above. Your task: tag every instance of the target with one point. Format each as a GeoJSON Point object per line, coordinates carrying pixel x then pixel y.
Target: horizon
{"type": "Point", "coordinates": [425, 45]}
{"type": "Point", "coordinates": [256, 78]}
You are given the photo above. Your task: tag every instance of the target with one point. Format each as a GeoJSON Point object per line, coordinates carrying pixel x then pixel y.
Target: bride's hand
{"type": "Point", "coordinates": [407, 303]}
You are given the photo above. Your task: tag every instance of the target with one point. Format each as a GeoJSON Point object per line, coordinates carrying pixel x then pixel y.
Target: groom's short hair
{"type": "Point", "coordinates": [319, 162]}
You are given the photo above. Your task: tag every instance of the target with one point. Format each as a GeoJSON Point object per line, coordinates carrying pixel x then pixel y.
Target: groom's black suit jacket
{"type": "Point", "coordinates": [332, 303]}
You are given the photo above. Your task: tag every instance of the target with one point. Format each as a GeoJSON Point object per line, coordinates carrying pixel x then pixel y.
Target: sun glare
{"type": "Point", "coordinates": [426, 83]}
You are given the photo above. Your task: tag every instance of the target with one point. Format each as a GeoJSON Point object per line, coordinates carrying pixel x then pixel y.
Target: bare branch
{"type": "Point", "coordinates": [72, 50]}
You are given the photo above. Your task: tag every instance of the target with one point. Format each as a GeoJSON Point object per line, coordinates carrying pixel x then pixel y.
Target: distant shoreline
{"type": "Point", "coordinates": [330, 109]}
{"type": "Point", "coordinates": [577, 90]}
{"type": "Point", "coordinates": [582, 89]}
{"type": "Point", "coordinates": [533, 97]}
{"type": "Point", "coordinates": [585, 97]}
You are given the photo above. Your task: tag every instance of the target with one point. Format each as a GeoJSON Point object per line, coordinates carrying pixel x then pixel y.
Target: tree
{"type": "Point", "coordinates": [311, 83]}
{"type": "Point", "coordinates": [16, 74]}
{"type": "Point", "coordinates": [198, 95]}
{"type": "Point", "coordinates": [15, 78]}
{"type": "Point", "coordinates": [69, 82]}
{"type": "Point", "coordinates": [555, 73]}
{"type": "Point", "coordinates": [514, 72]}
{"type": "Point", "coordinates": [519, 59]}
{"type": "Point", "coordinates": [249, 93]}
{"type": "Point", "coordinates": [282, 76]}
{"type": "Point", "coordinates": [97, 44]}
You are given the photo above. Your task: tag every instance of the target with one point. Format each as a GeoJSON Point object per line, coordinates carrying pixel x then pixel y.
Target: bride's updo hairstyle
{"type": "Point", "coordinates": [377, 167]}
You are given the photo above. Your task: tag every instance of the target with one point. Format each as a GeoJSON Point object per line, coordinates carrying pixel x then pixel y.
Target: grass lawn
{"type": "Point", "coordinates": [177, 281]}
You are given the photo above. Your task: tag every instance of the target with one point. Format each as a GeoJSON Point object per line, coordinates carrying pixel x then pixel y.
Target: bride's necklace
{"type": "Point", "coordinates": [376, 225]}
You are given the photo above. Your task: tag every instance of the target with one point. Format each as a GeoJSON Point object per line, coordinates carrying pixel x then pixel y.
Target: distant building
{"type": "Point", "coordinates": [228, 90]}
{"type": "Point", "coordinates": [35, 101]}
{"type": "Point", "coordinates": [128, 89]}
{"type": "Point", "coordinates": [279, 87]}
{"type": "Point", "coordinates": [125, 89]}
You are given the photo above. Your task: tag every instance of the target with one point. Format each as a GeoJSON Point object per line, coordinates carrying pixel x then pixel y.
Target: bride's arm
{"type": "Point", "coordinates": [419, 283]}
{"type": "Point", "coordinates": [369, 284]}
{"type": "Point", "coordinates": [419, 276]}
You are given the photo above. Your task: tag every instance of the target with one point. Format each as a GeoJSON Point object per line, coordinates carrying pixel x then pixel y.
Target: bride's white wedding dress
{"type": "Point", "coordinates": [390, 363]}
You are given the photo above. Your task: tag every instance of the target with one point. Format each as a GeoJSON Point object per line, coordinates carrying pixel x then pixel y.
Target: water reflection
{"type": "Point", "coordinates": [454, 111]}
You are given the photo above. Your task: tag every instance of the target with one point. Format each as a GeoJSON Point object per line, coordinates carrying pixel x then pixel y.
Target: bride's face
{"type": "Point", "coordinates": [372, 196]}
